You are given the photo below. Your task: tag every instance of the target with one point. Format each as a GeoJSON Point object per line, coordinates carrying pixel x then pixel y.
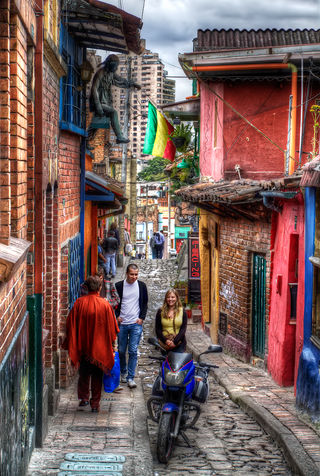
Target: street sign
{"type": "Point", "coordinates": [81, 473]}
{"type": "Point", "coordinates": [95, 458]}
{"type": "Point", "coordinates": [194, 258]}
{"type": "Point", "coordinates": [91, 467]}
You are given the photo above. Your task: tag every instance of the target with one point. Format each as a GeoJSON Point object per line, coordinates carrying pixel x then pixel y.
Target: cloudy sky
{"type": "Point", "coordinates": [169, 26]}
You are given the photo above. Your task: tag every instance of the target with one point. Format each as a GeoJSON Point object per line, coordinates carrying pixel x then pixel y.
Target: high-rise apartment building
{"type": "Point", "coordinates": [147, 70]}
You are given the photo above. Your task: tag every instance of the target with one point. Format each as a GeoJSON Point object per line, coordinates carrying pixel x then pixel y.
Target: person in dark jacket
{"type": "Point", "coordinates": [131, 313]}
{"type": "Point", "coordinates": [110, 246]}
{"type": "Point", "coordinates": [171, 323]}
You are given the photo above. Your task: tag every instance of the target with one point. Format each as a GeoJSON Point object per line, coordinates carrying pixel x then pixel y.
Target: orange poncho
{"type": "Point", "coordinates": [91, 330]}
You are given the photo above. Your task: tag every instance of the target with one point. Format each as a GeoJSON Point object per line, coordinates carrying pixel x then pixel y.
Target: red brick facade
{"type": "Point", "coordinates": [13, 166]}
{"type": "Point", "coordinates": [239, 240]}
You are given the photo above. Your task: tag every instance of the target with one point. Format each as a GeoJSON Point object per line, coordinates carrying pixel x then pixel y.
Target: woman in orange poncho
{"type": "Point", "coordinates": [91, 335]}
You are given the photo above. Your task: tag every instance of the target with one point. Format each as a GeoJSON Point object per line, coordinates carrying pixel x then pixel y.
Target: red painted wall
{"type": "Point", "coordinates": [235, 142]}
{"type": "Point", "coordinates": [285, 333]}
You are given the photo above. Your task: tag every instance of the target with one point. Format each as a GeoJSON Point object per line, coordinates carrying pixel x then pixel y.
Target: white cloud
{"type": "Point", "coordinates": [169, 26]}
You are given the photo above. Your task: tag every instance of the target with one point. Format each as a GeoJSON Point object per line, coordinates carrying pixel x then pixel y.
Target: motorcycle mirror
{"type": "Point", "coordinates": [213, 348]}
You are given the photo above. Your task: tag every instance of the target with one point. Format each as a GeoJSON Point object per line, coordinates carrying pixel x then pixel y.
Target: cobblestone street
{"type": "Point", "coordinates": [227, 441]}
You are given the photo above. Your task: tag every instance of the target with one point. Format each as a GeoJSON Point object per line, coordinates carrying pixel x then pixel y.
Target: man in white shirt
{"type": "Point", "coordinates": [131, 313]}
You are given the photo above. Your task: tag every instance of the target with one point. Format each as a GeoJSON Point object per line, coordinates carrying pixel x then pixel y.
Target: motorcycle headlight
{"type": "Point", "coordinates": [174, 378]}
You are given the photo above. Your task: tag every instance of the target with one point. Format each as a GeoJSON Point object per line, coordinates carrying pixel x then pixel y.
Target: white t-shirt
{"type": "Point", "coordinates": [130, 308]}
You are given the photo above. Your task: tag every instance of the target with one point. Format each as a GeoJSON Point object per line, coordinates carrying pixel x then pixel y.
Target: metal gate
{"type": "Point", "coordinates": [74, 269]}
{"type": "Point", "coordinates": [258, 305]}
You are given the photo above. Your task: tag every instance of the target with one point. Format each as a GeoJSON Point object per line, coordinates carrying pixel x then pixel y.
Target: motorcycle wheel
{"type": "Point", "coordinates": [165, 440]}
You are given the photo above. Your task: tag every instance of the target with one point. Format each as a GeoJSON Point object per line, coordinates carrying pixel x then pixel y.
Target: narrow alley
{"type": "Point", "coordinates": [226, 442]}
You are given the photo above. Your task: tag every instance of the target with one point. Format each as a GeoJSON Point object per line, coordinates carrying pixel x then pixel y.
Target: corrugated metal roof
{"type": "Point", "coordinates": [240, 39]}
{"type": "Point", "coordinates": [99, 25]}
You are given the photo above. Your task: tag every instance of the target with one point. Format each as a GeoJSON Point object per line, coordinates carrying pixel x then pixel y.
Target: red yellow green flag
{"type": "Point", "coordinates": [157, 141]}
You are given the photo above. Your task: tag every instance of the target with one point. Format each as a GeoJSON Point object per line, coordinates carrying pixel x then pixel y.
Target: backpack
{"type": "Point", "coordinates": [157, 239]}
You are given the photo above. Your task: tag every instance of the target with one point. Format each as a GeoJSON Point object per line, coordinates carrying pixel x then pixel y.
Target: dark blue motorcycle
{"type": "Point", "coordinates": [178, 388]}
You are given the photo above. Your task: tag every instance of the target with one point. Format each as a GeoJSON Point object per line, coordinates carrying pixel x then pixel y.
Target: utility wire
{"type": "Point", "coordinates": [244, 118]}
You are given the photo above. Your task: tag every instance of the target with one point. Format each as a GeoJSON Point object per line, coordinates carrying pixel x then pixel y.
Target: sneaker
{"type": "Point", "coordinates": [131, 383]}
{"type": "Point", "coordinates": [118, 389]}
{"type": "Point", "coordinates": [95, 410]}
{"type": "Point", "coordinates": [123, 378]}
{"type": "Point", "coordinates": [83, 403]}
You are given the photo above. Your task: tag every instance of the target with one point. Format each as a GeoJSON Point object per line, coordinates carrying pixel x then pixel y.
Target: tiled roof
{"type": "Point", "coordinates": [236, 192]}
{"type": "Point", "coordinates": [311, 173]}
{"type": "Point", "coordinates": [239, 39]}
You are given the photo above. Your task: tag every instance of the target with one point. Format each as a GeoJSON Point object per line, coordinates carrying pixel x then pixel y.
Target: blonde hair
{"type": "Point", "coordinates": [177, 306]}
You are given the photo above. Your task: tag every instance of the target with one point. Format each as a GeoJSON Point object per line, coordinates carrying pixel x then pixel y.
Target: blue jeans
{"type": "Point", "coordinates": [129, 336]}
{"type": "Point", "coordinates": [111, 262]}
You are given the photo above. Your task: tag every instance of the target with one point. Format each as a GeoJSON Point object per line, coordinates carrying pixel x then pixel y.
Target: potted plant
{"type": "Point", "coordinates": [181, 136]}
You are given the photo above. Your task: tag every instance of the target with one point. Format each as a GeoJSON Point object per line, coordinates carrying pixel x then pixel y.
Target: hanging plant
{"type": "Point", "coordinates": [181, 136]}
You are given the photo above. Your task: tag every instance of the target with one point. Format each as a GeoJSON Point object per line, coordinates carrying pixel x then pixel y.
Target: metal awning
{"type": "Point", "coordinates": [188, 110]}
{"type": "Point", "coordinates": [98, 25]}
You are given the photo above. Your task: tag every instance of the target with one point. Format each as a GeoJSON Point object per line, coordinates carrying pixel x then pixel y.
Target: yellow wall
{"type": "Point", "coordinates": [209, 257]}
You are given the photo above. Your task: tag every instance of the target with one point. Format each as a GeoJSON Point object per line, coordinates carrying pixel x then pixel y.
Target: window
{"type": "Point", "coordinates": [72, 96]}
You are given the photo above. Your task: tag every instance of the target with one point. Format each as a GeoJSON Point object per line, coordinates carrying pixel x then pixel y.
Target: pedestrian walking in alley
{"type": "Point", "coordinates": [159, 244]}
{"type": "Point", "coordinates": [131, 313]}
{"type": "Point", "coordinates": [110, 247]}
{"type": "Point", "coordinates": [153, 247]}
{"type": "Point", "coordinates": [91, 333]}
{"type": "Point", "coordinates": [113, 227]}
{"type": "Point", "coordinates": [127, 243]}
{"type": "Point", "coordinates": [102, 260]}
{"type": "Point", "coordinates": [171, 323]}
{"type": "Point", "coordinates": [108, 289]}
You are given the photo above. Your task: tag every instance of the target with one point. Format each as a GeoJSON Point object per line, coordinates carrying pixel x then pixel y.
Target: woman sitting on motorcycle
{"type": "Point", "coordinates": [171, 323]}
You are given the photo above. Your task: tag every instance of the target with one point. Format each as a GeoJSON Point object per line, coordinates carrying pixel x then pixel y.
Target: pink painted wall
{"type": "Point", "coordinates": [265, 105]}
{"type": "Point", "coordinates": [285, 334]}
{"type": "Point", "coordinates": [211, 152]}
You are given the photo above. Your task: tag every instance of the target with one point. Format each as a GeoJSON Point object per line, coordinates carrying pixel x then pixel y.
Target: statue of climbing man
{"type": "Point", "coordinates": [101, 103]}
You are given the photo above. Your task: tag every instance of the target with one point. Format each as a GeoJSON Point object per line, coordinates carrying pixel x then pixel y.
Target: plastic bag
{"type": "Point", "coordinates": [111, 382]}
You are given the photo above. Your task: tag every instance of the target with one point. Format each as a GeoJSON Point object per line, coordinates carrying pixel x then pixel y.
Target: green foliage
{"type": "Point", "coordinates": [154, 171]}
{"type": "Point", "coordinates": [184, 131]}
{"type": "Point", "coordinates": [181, 177]}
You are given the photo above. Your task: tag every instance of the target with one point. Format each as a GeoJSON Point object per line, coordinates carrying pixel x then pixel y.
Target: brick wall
{"type": "Point", "coordinates": [51, 257]}
{"type": "Point", "coordinates": [18, 127]}
{"type": "Point", "coordinates": [13, 165]}
{"type": "Point", "coordinates": [4, 122]}
{"type": "Point", "coordinates": [12, 307]}
{"type": "Point", "coordinates": [69, 186]}
{"type": "Point", "coordinates": [239, 239]}
{"type": "Point", "coordinates": [69, 226]}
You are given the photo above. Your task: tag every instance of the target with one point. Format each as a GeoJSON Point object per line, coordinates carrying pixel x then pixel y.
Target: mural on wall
{"type": "Point", "coordinates": [14, 405]}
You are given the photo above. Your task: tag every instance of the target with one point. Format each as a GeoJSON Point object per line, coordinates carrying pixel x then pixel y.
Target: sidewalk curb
{"type": "Point", "coordinates": [294, 453]}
